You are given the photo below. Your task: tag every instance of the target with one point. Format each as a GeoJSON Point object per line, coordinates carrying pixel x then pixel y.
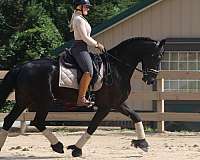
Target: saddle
{"type": "Point", "coordinates": [71, 73]}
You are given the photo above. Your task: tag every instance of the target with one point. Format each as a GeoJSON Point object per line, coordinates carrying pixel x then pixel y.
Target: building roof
{"type": "Point", "coordinates": [139, 7]}
{"type": "Point", "coordinates": [133, 10]}
{"type": "Point", "coordinates": [182, 44]}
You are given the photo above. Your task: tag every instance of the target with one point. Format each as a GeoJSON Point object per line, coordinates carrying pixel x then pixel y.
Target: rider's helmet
{"type": "Point", "coordinates": [81, 2]}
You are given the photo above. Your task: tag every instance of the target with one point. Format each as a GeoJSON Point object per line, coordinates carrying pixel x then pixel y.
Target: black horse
{"type": "Point", "coordinates": [36, 86]}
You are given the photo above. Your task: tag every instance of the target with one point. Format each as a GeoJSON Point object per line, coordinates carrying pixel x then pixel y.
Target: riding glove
{"type": "Point", "coordinates": [100, 47]}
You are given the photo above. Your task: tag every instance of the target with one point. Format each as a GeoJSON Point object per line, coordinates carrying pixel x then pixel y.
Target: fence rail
{"type": "Point", "coordinates": [160, 96]}
{"type": "Point", "coordinates": [112, 116]}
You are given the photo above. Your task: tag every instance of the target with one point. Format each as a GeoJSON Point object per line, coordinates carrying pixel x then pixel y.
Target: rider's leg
{"type": "Point", "coordinates": [83, 87]}
{"type": "Point", "coordinates": [83, 59]}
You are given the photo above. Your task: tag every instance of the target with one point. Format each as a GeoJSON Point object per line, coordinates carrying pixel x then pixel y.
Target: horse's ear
{"type": "Point", "coordinates": [162, 42]}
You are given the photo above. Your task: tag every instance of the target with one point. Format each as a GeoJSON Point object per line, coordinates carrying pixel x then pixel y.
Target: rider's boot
{"type": "Point", "coordinates": [83, 87]}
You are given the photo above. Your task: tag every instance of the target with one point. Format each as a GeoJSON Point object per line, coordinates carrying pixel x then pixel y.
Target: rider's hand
{"type": "Point", "coordinates": [100, 47]}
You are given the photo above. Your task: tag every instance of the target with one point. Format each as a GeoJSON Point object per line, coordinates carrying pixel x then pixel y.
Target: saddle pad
{"type": "Point", "coordinates": [68, 78]}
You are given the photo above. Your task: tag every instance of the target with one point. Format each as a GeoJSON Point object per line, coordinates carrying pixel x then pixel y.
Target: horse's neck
{"type": "Point", "coordinates": [127, 73]}
{"type": "Point", "coordinates": [124, 68]}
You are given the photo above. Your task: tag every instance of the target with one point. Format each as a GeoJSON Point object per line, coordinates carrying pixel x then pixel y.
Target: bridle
{"type": "Point", "coordinates": [122, 63]}
{"type": "Point", "coordinates": [145, 72]}
{"type": "Point", "coordinates": [149, 74]}
{"type": "Point", "coordinates": [108, 75]}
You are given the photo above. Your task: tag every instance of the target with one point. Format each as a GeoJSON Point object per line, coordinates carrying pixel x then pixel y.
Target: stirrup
{"type": "Point", "coordinates": [84, 102]}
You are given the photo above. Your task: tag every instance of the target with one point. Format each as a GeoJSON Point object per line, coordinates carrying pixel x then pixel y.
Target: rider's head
{"type": "Point", "coordinates": [82, 5]}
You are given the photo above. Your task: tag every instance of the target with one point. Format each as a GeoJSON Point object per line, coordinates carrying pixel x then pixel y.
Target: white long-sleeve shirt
{"type": "Point", "coordinates": [82, 29]}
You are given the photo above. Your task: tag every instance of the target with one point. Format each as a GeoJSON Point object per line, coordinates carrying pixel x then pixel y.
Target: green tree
{"type": "Point", "coordinates": [36, 38]}
{"type": "Point", "coordinates": [30, 29]}
{"type": "Point", "coordinates": [11, 18]}
{"type": "Point", "coordinates": [105, 9]}
{"type": "Point", "coordinates": [60, 13]}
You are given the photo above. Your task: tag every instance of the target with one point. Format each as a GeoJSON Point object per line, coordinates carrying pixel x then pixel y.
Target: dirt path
{"type": "Point", "coordinates": [104, 145]}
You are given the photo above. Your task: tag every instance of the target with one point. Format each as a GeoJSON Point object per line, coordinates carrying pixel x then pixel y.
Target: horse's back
{"type": "Point", "coordinates": [43, 63]}
{"type": "Point", "coordinates": [34, 79]}
{"type": "Point", "coordinates": [38, 67]}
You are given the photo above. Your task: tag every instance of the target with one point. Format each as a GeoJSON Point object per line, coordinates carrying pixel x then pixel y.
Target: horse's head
{"type": "Point", "coordinates": [151, 61]}
{"type": "Point", "coordinates": [139, 49]}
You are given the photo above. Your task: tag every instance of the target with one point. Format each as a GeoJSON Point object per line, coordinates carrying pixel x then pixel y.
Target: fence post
{"type": "Point", "coordinates": [160, 105]}
{"type": "Point", "coordinates": [23, 123]}
{"type": "Point", "coordinates": [22, 127]}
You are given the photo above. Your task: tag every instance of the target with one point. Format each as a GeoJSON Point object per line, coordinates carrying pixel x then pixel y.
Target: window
{"type": "Point", "coordinates": [199, 65]}
{"type": "Point", "coordinates": [174, 56]}
{"type": "Point", "coordinates": [198, 56]}
{"type": "Point", "coordinates": [173, 85]}
{"type": "Point", "coordinates": [182, 56]}
{"type": "Point", "coordinates": [192, 66]}
{"type": "Point", "coordinates": [192, 57]}
{"type": "Point", "coordinates": [182, 66]}
{"type": "Point", "coordinates": [181, 61]}
{"type": "Point", "coordinates": [182, 85]}
{"type": "Point", "coordinates": [198, 86]}
{"type": "Point", "coordinates": [167, 85]}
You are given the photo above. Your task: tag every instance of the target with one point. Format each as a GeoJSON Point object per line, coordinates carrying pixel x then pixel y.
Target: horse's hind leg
{"type": "Point", "coordinates": [8, 122]}
{"type": "Point", "coordinates": [101, 113]}
{"type": "Point", "coordinates": [141, 141]}
{"type": "Point", "coordinates": [39, 123]}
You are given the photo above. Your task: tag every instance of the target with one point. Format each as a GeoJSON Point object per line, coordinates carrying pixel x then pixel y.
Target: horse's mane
{"type": "Point", "coordinates": [132, 40]}
{"type": "Point", "coordinates": [140, 39]}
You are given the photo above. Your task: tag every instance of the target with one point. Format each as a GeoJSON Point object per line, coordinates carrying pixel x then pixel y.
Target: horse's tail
{"type": "Point", "coordinates": [8, 84]}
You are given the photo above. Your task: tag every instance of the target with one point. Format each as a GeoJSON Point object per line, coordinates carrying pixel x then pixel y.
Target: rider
{"type": "Point", "coordinates": [82, 30]}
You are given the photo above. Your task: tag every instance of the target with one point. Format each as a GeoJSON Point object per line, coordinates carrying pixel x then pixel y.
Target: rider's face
{"type": "Point", "coordinates": [85, 9]}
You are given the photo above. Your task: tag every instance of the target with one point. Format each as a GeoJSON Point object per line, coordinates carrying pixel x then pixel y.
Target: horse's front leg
{"type": "Point", "coordinates": [98, 117]}
{"type": "Point", "coordinates": [141, 141]}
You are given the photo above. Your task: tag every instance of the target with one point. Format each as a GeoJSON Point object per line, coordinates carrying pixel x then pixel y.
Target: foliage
{"type": "Point", "coordinates": [107, 9]}
{"type": "Point", "coordinates": [60, 12]}
{"type": "Point", "coordinates": [7, 107]}
{"type": "Point", "coordinates": [11, 18]}
{"type": "Point", "coordinates": [36, 38]}
{"type": "Point", "coordinates": [35, 42]}
{"type": "Point", "coordinates": [31, 29]}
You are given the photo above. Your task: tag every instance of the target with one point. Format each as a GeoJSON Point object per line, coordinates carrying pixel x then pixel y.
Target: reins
{"type": "Point", "coordinates": [122, 63]}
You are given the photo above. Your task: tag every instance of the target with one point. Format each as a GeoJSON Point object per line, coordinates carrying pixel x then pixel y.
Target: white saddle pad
{"type": "Point", "coordinates": [68, 78]}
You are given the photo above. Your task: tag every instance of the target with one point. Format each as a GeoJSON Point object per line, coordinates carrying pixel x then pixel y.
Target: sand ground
{"type": "Point", "coordinates": [105, 144]}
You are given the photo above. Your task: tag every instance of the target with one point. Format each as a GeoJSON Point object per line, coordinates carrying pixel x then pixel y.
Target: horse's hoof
{"type": "Point", "coordinates": [141, 143]}
{"type": "Point", "coordinates": [76, 152]}
{"type": "Point", "coordinates": [58, 147]}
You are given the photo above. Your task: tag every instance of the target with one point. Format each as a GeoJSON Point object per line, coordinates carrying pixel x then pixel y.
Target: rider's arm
{"type": "Point", "coordinates": [81, 29]}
